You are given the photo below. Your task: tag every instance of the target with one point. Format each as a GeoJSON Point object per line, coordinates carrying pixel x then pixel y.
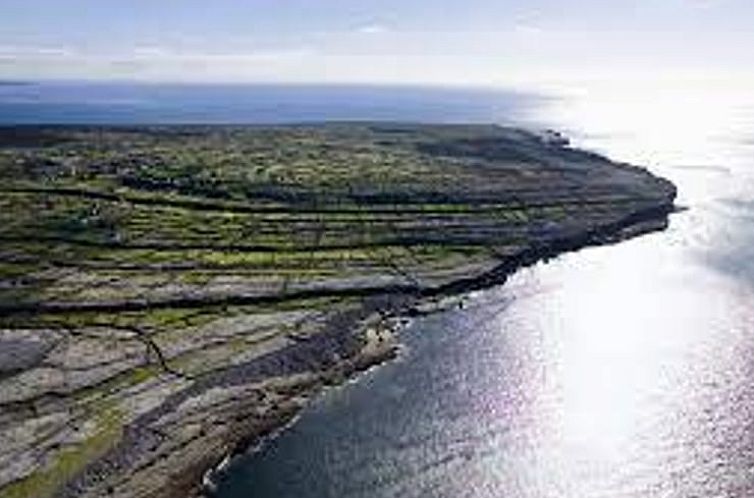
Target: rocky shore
{"type": "Point", "coordinates": [171, 295]}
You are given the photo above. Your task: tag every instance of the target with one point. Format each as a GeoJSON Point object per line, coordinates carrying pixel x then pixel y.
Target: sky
{"type": "Point", "coordinates": [471, 42]}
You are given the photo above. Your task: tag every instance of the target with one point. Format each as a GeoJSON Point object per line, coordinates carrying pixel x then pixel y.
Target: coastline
{"type": "Point", "coordinates": [390, 351]}
{"type": "Point", "coordinates": [171, 323]}
{"type": "Point", "coordinates": [635, 226]}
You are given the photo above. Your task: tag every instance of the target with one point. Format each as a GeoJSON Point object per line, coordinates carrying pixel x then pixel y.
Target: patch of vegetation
{"type": "Point", "coordinates": [116, 215]}
{"type": "Point", "coordinates": [70, 460]}
{"type": "Point", "coordinates": [124, 219]}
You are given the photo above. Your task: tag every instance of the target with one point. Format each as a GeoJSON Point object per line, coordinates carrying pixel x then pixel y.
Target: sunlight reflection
{"type": "Point", "coordinates": [630, 366]}
{"type": "Point", "coordinates": [616, 372]}
{"type": "Point", "coordinates": [647, 344]}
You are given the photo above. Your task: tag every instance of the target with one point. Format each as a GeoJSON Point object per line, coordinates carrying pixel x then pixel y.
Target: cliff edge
{"type": "Point", "coordinates": [171, 294]}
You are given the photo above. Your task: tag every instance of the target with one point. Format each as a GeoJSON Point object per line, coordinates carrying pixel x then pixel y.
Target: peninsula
{"type": "Point", "coordinates": [170, 295]}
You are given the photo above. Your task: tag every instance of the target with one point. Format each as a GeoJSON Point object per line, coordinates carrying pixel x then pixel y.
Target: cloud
{"type": "Point", "coordinates": [704, 4]}
{"type": "Point", "coordinates": [247, 56]}
{"type": "Point", "coordinates": [372, 29]}
{"type": "Point", "coordinates": [151, 62]}
{"type": "Point", "coordinates": [11, 52]}
{"type": "Point", "coordinates": [527, 30]}
{"type": "Point", "coordinates": [151, 52]}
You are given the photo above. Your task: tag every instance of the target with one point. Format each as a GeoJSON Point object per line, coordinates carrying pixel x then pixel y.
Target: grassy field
{"type": "Point", "coordinates": [143, 260]}
{"type": "Point", "coordinates": [113, 214]}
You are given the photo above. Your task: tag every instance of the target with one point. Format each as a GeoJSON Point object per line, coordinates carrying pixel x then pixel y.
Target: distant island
{"type": "Point", "coordinates": [170, 295]}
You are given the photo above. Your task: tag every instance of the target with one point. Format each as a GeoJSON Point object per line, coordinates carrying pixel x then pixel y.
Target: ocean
{"type": "Point", "coordinates": [616, 371]}
{"type": "Point", "coordinates": [128, 104]}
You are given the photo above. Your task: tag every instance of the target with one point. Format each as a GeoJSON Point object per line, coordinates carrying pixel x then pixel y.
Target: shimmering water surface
{"type": "Point", "coordinates": [622, 371]}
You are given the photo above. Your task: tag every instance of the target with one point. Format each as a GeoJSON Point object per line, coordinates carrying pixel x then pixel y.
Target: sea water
{"type": "Point", "coordinates": [620, 371]}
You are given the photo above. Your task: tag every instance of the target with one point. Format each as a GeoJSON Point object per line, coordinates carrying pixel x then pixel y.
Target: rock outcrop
{"type": "Point", "coordinates": [169, 295]}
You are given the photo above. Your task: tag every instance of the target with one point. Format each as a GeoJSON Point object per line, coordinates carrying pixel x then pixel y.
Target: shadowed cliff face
{"type": "Point", "coordinates": [169, 293]}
